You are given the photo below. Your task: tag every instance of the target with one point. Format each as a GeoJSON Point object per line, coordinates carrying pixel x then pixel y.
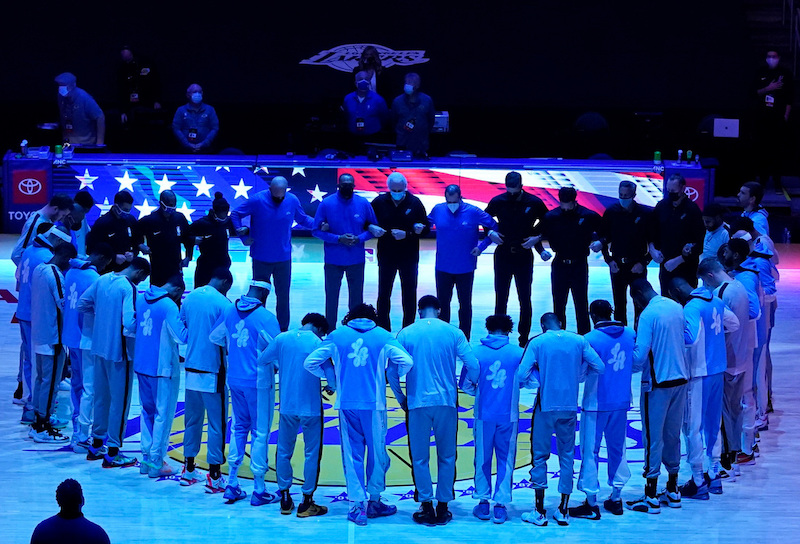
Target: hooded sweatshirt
{"type": "Point", "coordinates": [112, 300]}
{"type": "Point", "coordinates": [707, 320]}
{"type": "Point", "coordinates": [434, 346]}
{"type": "Point", "coordinates": [246, 327]}
{"type": "Point", "coordinates": [159, 330]}
{"type": "Point", "coordinates": [35, 254]}
{"type": "Point", "coordinates": [760, 220]}
{"type": "Point", "coordinates": [610, 390]}
{"type": "Point", "coordinates": [77, 326]}
{"type": "Point", "coordinates": [497, 388]}
{"type": "Point", "coordinates": [660, 331]}
{"type": "Point", "coordinates": [361, 353]}
{"type": "Point", "coordinates": [47, 305]}
{"type": "Point", "coordinates": [556, 362]}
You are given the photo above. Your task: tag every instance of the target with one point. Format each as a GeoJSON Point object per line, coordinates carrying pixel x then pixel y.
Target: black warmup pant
{"type": "Point", "coordinates": [571, 275]}
{"type": "Point", "coordinates": [620, 282]}
{"type": "Point", "coordinates": [408, 271]}
{"type": "Point", "coordinates": [444, 292]}
{"type": "Point", "coordinates": [516, 263]}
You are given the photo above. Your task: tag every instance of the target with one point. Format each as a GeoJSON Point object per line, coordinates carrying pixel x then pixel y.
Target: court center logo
{"type": "Point", "coordinates": [345, 57]}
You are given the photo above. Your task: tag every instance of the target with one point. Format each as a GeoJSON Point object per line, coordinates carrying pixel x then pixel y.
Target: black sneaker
{"type": "Point", "coordinates": [426, 515]}
{"type": "Point", "coordinates": [443, 515]}
{"type": "Point", "coordinates": [615, 507]}
{"type": "Point", "coordinates": [691, 490]}
{"type": "Point", "coordinates": [585, 511]}
{"type": "Point", "coordinates": [308, 508]}
{"type": "Point", "coordinates": [287, 505]}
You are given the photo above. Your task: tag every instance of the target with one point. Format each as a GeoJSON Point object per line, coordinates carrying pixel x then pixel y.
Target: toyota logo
{"type": "Point", "coordinates": [692, 193]}
{"type": "Point", "coordinates": [29, 186]}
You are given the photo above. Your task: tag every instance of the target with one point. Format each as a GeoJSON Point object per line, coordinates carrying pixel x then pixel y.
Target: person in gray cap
{"type": "Point", "coordinates": [82, 121]}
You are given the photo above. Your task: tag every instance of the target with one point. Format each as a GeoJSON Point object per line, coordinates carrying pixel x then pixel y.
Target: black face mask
{"type": "Point", "coordinates": [346, 191]}
{"type": "Point", "coordinates": [674, 197]}
{"type": "Point", "coordinates": [277, 200]}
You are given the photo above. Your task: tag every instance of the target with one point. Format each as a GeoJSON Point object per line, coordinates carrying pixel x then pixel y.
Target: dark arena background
{"type": "Point", "coordinates": [570, 94]}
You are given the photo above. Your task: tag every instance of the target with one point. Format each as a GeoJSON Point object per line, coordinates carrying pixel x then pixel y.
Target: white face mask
{"type": "Point", "coordinates": [63, 90]}
{"type": "Point", "coordinates": [453, 206]}
{"type": "Point", "coordinates": [408, 89]}
{"type": "Point", "coordinates": [197, 98]}
{"type": "Point", "coordinates": [772, 62]}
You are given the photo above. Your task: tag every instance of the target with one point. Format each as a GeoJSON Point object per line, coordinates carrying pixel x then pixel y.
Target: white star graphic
{"type": "Point", "coordinates": [165, 184]}
{"type": "Point", "coordinates": [226, 168]}
{"type": "Point", "coordinates": [241, 189]}
{"type": "Point", "coordinates": [298, 170]}
{"type": "Point", "coordinates": [105, 206]}
{"type": "Point", "coordinates": [316, 194]}
{"type": "Point", "coordinates": [126, 182]}
{"type": "Point", "coordinates": [186, 211]}
{"type": "Point", "coordinates": [298, 251]}
{"type": "Point", "coordinates": [203, 188]}
{"type": "Point", "coordinates": [86, 180]}
{"type": "Point", "coordinates": [145, 208]}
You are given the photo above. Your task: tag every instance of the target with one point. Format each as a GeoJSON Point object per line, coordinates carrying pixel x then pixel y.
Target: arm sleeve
{"type": "Point", "coordinates": [240, 212]}
{"type": "Point", "coordinates": [214, 128]}
{"type": "Point", "coordinates": [370, 219]}
{"type": "Point", "coordinates": [467, 357]}
{"type": "Point", "coordinates": [525, 374]}
{"type": "Point", "coordinates": [320, 217]}
{"type": "Point", "coordinates": [86, 302]}
{"type": "Point", "coordinates": [399, 357]}
{"type": "Point", "coordinates": [591, 358]}
{"type": "Point", "coordinates": [644, 339]}
{"type": "Point", "coordinates": [178, 130]}
{"type": "Point", "coordinates": [325, 352]}
{"type": "Point", "coordinates": [219, 332]}
{"type": "Point", "coordinates": [176, 327]}
{"type": "Point", "coordinates": [730, 321]}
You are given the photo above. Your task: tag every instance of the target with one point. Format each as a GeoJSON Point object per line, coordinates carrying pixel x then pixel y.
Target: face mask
{"type": "Point", "coordinates": [168, 209]}
{"type": "Point", "coordinates": [772, 62]}
{"type": "Point", "coordinates": [362, 85]}
{"type": "Point", "coordinates": [625, 202]}
{"type": "Point", "coordinates": [63, 90]}
{"type": "Point", "coordinates": [346, 191]}
{"type": "Point", "coordinates": [674, 197]}
{"type": "Point", "coordinates": [121, 212]}
{"type": "Point", "coordinates": [197, 98]}
{"type": "Point", "coordinates": [220, 219]}
{"type": "Point", "coordinates": [277, 200]}
{"type": "Point", "coordinates": [408, 89]}
{"type": "Point", "coordinates": [453, 206]}
{"type": "Point", "coordinates": [398, 196]}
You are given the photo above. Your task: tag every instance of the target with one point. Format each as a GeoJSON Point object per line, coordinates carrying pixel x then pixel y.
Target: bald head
{"type": "Point", "coordinates": [277, 188]}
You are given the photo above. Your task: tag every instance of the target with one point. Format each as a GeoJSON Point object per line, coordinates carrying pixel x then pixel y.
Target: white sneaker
{"type": "Point", "coordinates": [215, 486]}
{"type": "Point", "coordinates": [49, 436]}
{"type": "Point", "coordinates": [562, 518]}
{"type": "Point", "coordinates": [65, 385]}
{"type": "Point", "coordinates": [669, 498]}
{"type": "Point", "coordinates": [535, 517]}
{"type": "Point", "coordinates": [190, 478]}
{"type": "Point", "coordinates": [163, 471]}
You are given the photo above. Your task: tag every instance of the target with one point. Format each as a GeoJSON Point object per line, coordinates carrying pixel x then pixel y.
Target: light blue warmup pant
{"type": "Point", "coordinates": [48, 375]}
{"type": "Point", "coordinates": [701, 424]}
{"type": "Point", "coordinates": [312, 439]}
{"type": "Point", "coordinates": [760, 386]}
{"type": "Point", "coordinates": [543, 425]}
{"type": "Point", "coordinates": [443, 421]}
{"type": "Point", "coordinates": [662, 418]}
{"type": "Point", "coordinates": [76, 385]}
{"type": "Point", "coordinates": [86, 403]}
{"type": "Point", "coordinates": [113, 385]}
{"type": "Point", "coordinates": [498, 440]}
{"type": "Point", "coordinates": [253, 409]}
{"type": "Point", "coordinates": [26, 364]}
{"type": "Point", "coordinates": [594, 426]}
{"type": "Point", "coordinates": [197, 404]}
{"type": "Point", "coordinates": [159, 397]}
{"type": "Point", "coordinates": [363, 434]}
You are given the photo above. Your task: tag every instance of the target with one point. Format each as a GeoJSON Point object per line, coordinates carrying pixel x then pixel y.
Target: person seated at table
{"type": "Point", "coordinates": [195, 123]}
